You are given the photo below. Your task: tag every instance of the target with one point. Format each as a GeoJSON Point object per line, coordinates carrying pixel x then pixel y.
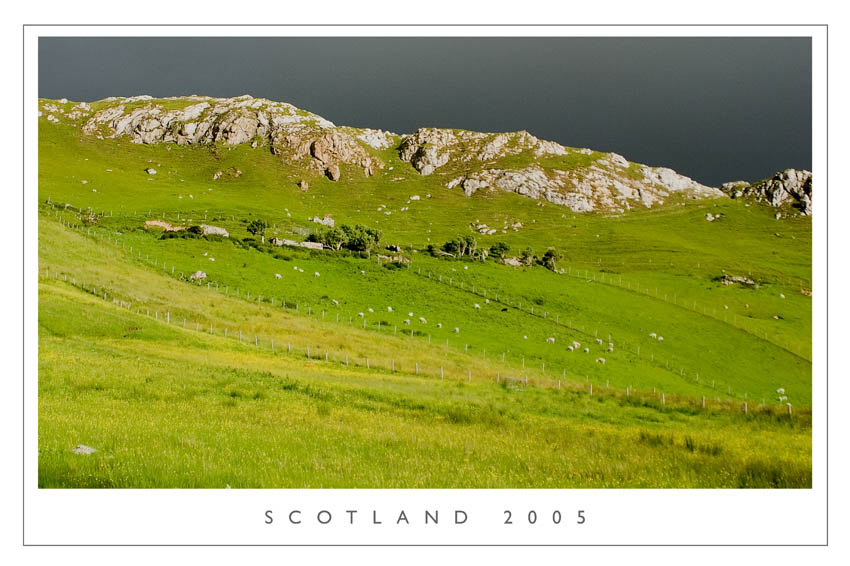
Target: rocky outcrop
{"type": "Point", "coordinates": [791, 188]}
{"type": "Point", "coordinates": [290, 132]}
{"type": "Point", "coordinates": [599, 187]}
{"type": "Point", "coordinates": [428, 149]}
{"type": "Point", "coordinates": [580, 180]}
{"type": "Point", "coordinates": [607, 183]}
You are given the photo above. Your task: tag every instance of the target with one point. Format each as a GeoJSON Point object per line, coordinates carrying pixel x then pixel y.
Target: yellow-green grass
{"type": "Point", "coordinates": [212, 403]}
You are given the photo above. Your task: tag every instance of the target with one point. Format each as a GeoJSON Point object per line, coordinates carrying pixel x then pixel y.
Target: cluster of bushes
{"type": "Point", "coordinates": [467, 246]}
{"type": "Point", "coordinates": [194, 232]}
{"type": "Point", "coordinates": [356, 238]}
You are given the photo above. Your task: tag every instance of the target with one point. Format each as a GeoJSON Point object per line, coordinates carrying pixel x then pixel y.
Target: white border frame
{"type": "Point", "coordinates": [614, 517]}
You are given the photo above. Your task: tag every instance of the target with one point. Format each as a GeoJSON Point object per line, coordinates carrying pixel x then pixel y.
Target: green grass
{"type": "Point", "coordinates": [167, 405]}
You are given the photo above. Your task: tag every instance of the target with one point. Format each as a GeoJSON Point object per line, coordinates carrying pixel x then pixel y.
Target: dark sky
{"type": "Point", "coordinates": [715, 109]}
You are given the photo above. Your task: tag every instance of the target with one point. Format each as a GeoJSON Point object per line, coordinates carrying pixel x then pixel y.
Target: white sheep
{"type": "Point", "coordinates": [406, 321]}
{"type": "Point", "coordinates": [477, 306]}
{"type": "Point", "coordinates": [212, 259]}
{"type": "Point", "coordinates": [334, 301]}
{"type": "Point", "coordinates": [277, 276]}
{"type": "Point", "coordinates": [361, 315]}
{"type": "Point", "coordinates": [389, 309]}
{"type": "Point", "coordinates": [587, 350]}
{"type": "Point", "coordinates": [316, 274]}
{"type": "Point", "coordinates": [599, 341]}
{"type": "Point", "coordinates": [781, 295]}
{"type": "Point", "coordinates": [653, 335]}
{"type": "Point", "coordinates": [457, 330]}
{"type": "Point", "coordinates": [410, 314]}
{"type": "Point", "coordinates": [300, 270]}
{"type": "Point", "coordinates": [295, 267]}
{"type": "Point", "coordinates": [550, 340]}
{"type": "Point", "coordinates": [661, 339]}
{"type": "Point", "coordinates": [600, 361]}
{"type": "Point", "coordinates": [370, 309]}
{"type": "Point", "coordinates": [422, 320]}
{"type": "Point", "coordinates": [576, 345]}
{"type": "Point", "coordinates": [570, 348]}
{"type": "Point", "coordinates": [439, 325]}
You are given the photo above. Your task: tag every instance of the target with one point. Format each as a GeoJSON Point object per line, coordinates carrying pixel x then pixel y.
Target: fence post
{"type": "Point", "coordinates": [591, 390]}
{"type": "Point", "coordinates": [367, 363]}
{"type": "Point", "coordinates": [441, 372]}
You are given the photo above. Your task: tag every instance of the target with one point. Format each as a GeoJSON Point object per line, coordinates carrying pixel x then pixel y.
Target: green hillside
{"type": "Point", "coordinates": [149, 368]}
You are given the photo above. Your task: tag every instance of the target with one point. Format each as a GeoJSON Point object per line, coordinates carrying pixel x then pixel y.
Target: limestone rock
{"type": "Point", "coordinates": [333, 172]}
{"type": "Point", "coordinates": [209, 230]}
{"type": "Point", "coordinates": [789, 188]}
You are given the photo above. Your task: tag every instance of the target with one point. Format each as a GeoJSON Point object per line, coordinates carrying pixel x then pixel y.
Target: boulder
{"type": "Point", "coordinates": [209, 230]}
{"type": "Point", "coordinates": [332, 172]}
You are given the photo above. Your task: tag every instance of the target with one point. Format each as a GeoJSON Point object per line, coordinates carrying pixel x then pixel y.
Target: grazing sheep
{"type": "Point", "coordinates": [653, 335]}
{"type": "Point", "coordinates": [439, 325]}
{"type": "Point", "coordinates": [389, 309]}
{"type": "Point", "coordinates": [600, 361]}
{"type": "Point", "coordinates": [406, 321]}
{"type": "Point", "coordinates": [360, 314]}
{"type": "Point", "coordinates": [457, 330]}
{"type": "Point", "coordinates": [550, 340]}
{"type": "Point", "coordinates": [781, 296]}
{"type": "Point", "coordinates": [334, 301]}
{"type": "Point", "coordinates": [587, 350]}
{"type": "Point", "coordinates": [277, 276]}
{"type": "Point", "coordinates": [477, 306]}
{"type": "Point", "coordinates": [316, 274]}
{"type": "Point", "coordinates": [410, 314]}
{"type": "Point", "coordinates": [295, 267]}
{"type": "Point", "coordinates": [487, 301]}
{"type": "Point", "coordinates": [570, 348]}
{"type": "Point", "coordinates": [370, 309]}
{"type": "Point", "coordinates": [661, 339]}
{"type": "Point", "coordinates": [212, 259]}
{"type": "Point", "coordinates": [576, 345]}
{"type": "Point", "coordinates": [422, 320]}
{"type": "Point", "coordinates": [300, 270]}
{"type": "Point", "coordinates": [599, 341]}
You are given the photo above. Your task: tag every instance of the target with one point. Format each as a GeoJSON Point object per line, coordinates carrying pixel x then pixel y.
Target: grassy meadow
{"type": "Point", "coordinates": [250, 380]}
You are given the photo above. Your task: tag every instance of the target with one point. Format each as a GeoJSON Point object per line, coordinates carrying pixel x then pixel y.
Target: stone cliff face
{"type": "Point", "coordinates": [581, 180]}
{"type": "Point", "coordinates": [789, 188]}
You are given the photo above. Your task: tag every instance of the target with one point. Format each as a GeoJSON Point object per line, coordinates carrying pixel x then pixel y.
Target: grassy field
{"type": "Point", "coordinates": [249, 380]}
